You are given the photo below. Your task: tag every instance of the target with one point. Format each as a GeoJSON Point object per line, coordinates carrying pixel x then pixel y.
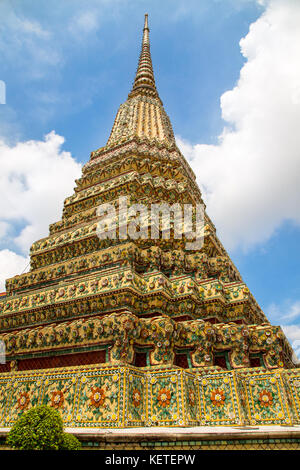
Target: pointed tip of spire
{"type": "Point", "coordinates": [144, 81]}
{"type": "Point", "coordinates": [146, 32]}
{"type": "Point", "coordinates": [146, 21]}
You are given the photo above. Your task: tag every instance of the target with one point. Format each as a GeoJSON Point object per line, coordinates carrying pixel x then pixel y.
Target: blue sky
{"type": "Point", "coordinates": [228, 73]}
{"type": "Point", "coordinates": [76, 70]}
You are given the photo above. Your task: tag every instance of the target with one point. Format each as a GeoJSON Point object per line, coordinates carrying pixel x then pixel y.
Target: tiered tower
{"type": "Point", "coordinates": [134, 332]}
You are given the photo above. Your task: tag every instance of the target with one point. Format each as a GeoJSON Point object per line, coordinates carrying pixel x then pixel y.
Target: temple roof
{"type": "Point", "coordinates": [142, 115]}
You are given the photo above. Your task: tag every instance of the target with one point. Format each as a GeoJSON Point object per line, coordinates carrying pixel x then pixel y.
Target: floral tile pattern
{"type": "Point", "coordinates": [136, 404]}
{"type": "Point", "coordinates": [4, 397]}
{"type": "Point", "coordinates": [266, 398]}
{"type": "Point", "coordinates": [193, 410]}
{"type": "Point", "coordinates": [100, 398]}
{"type": "Point", "coordinates": [292, 383]}
{"type": "Point", "coordinates": [218, 399]}
{"type": "Point", "coordinates": [60, 392]}
{"type": "Point", "coordinates": [118, 397]}
{"type": "Point", "coordinates": [167, 398]}
{"type": "Point", "coordinates": [24, 394]}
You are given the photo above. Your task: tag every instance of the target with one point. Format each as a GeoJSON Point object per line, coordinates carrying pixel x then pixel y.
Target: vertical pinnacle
{"type": "Point", "coordinates": [146, 32]}
{"type": "Point", "coordinates": [146, 22]}
{"type": "Point", "coordinates": [144, 82]}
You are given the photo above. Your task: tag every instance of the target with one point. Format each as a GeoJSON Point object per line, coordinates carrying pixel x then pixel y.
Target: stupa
{"type": "Point", "coordinates": [126, 332]}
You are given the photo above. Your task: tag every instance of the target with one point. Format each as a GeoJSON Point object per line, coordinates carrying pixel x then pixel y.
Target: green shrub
{"type": "Point", "coordinates": [70, 442]}
{"type": "Point", "coordinates": [40, 428]}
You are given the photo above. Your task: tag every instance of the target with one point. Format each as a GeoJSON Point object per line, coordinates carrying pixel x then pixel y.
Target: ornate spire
{"type": "Point", "coordinates": [144, 82]}
{"type": "Point", "coordinates": [142, 115]}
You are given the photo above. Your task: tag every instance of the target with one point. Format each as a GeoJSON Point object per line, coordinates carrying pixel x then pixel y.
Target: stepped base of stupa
{"type": "Point", "coordinates": [123, 396]}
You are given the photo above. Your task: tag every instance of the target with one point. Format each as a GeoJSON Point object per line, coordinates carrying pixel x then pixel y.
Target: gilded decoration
{"type": "Point", "coordinates": [219, 399]}
{"type": "Point", "coordinates": [122, 334]}
{"type": "Point", "coordinates": [139, 332]}
{"type": "Point", "coordinates": [105, 396]}
{"type": "Point", "coordinates": [266, 398]}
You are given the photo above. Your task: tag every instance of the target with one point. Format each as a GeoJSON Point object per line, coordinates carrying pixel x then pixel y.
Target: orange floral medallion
{"type": "Point", "coordinates": [57, 399]}
{"type": "Point", "coordinates": [265, 398]}
{"type": "Point", "coordinates": [217, 397]}
{"type": "Point", "coordinates": [136, 397]}
{"type": "Point", "coordinates": [97, 397]}
{"type": "Point", "coordinates": [23, 400]}
{"type": "Point", "coordinates": [164, 397]}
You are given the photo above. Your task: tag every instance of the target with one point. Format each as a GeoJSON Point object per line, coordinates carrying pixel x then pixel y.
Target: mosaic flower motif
{"type": "Point", "coordinates": [23, 400]}
{"type": "Point", "coordinates": [192, 398]}
{"type": "Point", "coordinates": [265, 398]}
{"type": "Point", "coordinates": [57, 399]}
{"type": "Point", "coordinates": [144, 333]}
{"type": "Point", "coordinates": [164, 397]}
{"type": "Point", "coordinates": [136, 397]}
{"type": "Point", "coordinates": [97, 397]}
{"type": "Point", "coordinates": [217, 397]}
{"type": "Point", "coordinates": [61, 292]}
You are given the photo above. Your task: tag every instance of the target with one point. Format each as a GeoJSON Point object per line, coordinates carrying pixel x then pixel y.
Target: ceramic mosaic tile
{"type": "Point", "coordinates": [24, 393]}
{"type": "Point", "coordinates": [166, 398]}
{"type": "Point", "coordinates": [59, 392]}
{"type": "Point", "coordinates": [4, 398]}
{"type": "Point", "coordinates": [192, 405]}
{"type": "Point", "coordinates": [136, 398]}
{"type": "Point", "coordinates": [292, 381]}
{"type": "Point", "coordinates": [219, 399]}
{"type": "Point", "coordinates": [104, 396]}
{"type": "Point", "coordinates": [266, 399]}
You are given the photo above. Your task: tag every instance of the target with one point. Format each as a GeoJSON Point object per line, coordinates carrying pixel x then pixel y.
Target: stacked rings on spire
{"type": "Point", "coordinates": [143, 114]}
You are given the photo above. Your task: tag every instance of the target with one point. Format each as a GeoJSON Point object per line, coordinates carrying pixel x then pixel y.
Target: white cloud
{"type": "Point", "coordinates": [32, 27]}
{"type": "Point", "coordinates": [84, 22]}
{"type": "Point", "coordinates": [251, 179]}
{"type": "Point", "coordinates": [25, 41]}
{"type": "Point", "coordinates": [11, 264]}
{"type": "Point", "coordinates": [4, 227]}
{"type": "Point", "coordinates": [292, 332]}
{"type": "Point", "coordinates": [35, 178]}
{"type": "Point", "coordinates": [39, 47]}
{"type": "Point", "coordinates": [288, 311]}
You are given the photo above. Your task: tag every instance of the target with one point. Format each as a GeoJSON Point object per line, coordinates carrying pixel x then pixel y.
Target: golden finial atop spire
{"type": "Point", "coordinates": [146, 32]}
{"type": "Point", "coordinates": [146, 22]}
{"type": "Point", "coordinates": [144, 82]}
